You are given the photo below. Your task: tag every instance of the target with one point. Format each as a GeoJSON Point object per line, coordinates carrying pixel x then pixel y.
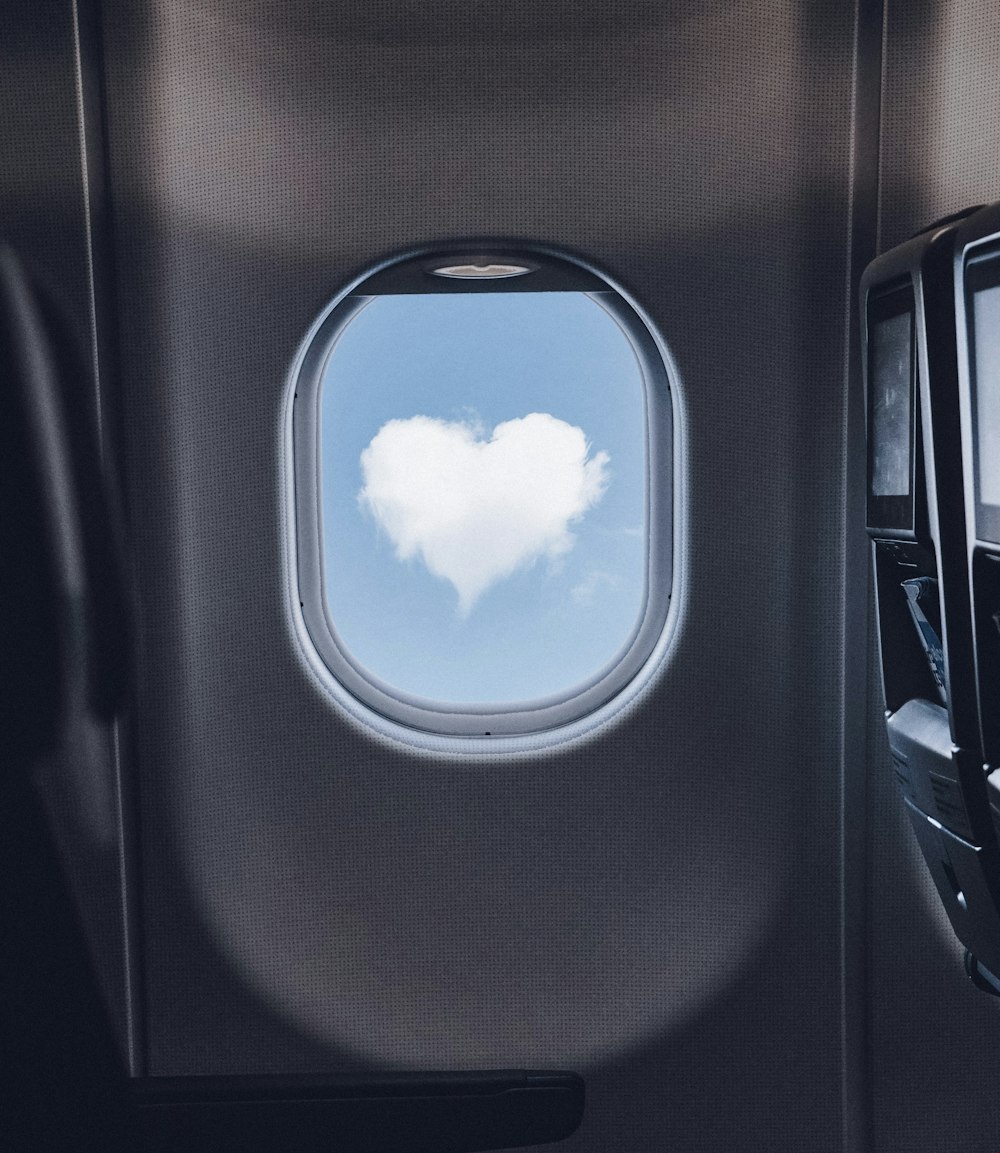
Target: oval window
{"type": "Point", "coordinates": [483, 497]}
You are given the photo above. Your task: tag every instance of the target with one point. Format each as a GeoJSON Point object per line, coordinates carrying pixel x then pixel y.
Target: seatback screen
{"type": "Point", "coordinates": [890, 409]}
{"type": "Point", "coordinates": [983, 312]}
{"type": "Point", "coordinates": [891, 368]}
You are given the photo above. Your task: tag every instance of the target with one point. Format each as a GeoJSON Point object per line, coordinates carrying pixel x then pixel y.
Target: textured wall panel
{"type": "Point", "coordinates": [935, 1040]}
{"type": "Point", "coordinates": [940, 122]}
{"type": "Point", "coordinates": [656, 906]}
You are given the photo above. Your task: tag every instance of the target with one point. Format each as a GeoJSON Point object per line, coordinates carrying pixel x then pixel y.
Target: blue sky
{"type": "Point", "coordinates": [537, 536]}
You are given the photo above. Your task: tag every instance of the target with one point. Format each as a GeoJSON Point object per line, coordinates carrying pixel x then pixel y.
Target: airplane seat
{"type": "Point", "coordinates": [66, 616]}
{"type": "Point", "coordinates": [55, 661]}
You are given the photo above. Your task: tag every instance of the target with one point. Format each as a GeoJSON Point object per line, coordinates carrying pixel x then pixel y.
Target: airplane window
{"type": "Point", "coordinates": [483, 557]}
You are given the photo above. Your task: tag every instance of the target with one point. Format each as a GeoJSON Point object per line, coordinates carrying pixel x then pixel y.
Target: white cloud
{"type": "Point", "coordinates": [592, 583]}
{"type": "Point", "coordinates": [476, 509]}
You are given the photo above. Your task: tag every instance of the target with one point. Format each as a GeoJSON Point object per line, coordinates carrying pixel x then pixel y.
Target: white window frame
{"type": "Point", "coordinates": [441, 726]}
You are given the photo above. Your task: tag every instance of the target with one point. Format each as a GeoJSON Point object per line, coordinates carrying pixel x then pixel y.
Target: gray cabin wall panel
{"type": "Point", "coordinates": [940, 123]}
{"type": "Point", "coordinates": [935, 1040]}
{"type": "Point", "coordinates": [315, 898]}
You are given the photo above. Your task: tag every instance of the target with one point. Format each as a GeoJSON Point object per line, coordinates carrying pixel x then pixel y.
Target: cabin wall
{"type": "Point", "coordinates": [934, 1039]}
{"type": "Point", "coordinates": [659, 906]}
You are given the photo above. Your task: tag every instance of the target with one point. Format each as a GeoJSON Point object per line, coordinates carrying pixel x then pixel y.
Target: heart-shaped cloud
{"type": "Point", "coordinates": [477, 509]}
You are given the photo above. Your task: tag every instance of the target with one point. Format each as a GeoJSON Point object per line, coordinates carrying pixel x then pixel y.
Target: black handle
{"type": "Point", "coordinates": [370, 1113]}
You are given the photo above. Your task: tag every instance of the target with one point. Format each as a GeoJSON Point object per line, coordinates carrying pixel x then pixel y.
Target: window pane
{"type": "Point", "coordinates": [483, 468]}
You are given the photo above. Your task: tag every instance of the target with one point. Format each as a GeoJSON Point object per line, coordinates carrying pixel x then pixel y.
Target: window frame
{"type": "Point", "coordinates": [370, 699]}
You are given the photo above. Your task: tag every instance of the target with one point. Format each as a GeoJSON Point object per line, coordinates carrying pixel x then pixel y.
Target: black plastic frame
{"type": "Point", "coordinates": [939, 537]}
{"type": "Point", "coordinates": [936, 753]}
{"type": "Point", "coordinates": [977, 266]}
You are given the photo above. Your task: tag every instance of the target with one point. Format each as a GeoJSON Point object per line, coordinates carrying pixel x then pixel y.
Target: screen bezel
{"type": "Point", "coordinates": [982, 271]}
{"type": "Point", "coordinates": [896, 512]}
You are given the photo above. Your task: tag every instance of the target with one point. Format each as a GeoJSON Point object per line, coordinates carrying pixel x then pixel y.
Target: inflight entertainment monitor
{"type": "Point", "coordinates": [917, 512]}
{"type": "Point", "coordinates": [891, 410]}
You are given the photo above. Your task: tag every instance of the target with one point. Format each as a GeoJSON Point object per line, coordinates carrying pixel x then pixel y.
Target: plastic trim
{"type": "Point", "coordinates": [439, 726]}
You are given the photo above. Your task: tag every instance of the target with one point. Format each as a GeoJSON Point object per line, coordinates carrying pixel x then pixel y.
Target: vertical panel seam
{"type": "Point", "coordinates": [95, 356]}
{"type": "Point", "coordinates": [90, 136]}
{"type": "Point", "coordinates": [862, 241]}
